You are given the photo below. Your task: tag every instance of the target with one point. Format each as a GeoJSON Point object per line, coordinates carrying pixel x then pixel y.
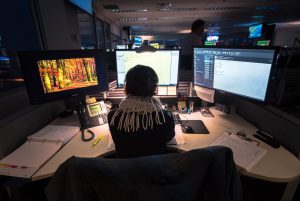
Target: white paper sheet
{"type": "Point", "coordinates": [28, 158]}
{"type": "Point", "coordinates": [245, 154]}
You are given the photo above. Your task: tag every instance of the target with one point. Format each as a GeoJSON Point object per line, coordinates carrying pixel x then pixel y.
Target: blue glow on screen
{"type": "Point", "coordinates": [86, 5]}
{"type": "Point", "coordinates": [255, 31]}
{"type": "Point", "coordinates": [137, 40]}
{"type": "Point", "coordinates": [212, 38]}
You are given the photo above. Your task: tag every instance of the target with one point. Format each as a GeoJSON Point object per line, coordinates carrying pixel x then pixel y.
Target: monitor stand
{"type": "Point", "coordinates": [71, 104]}
{"type": "Point", "coordinates": [205, 110]}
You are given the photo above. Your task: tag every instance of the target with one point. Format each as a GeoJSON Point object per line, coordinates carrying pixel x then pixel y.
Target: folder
{"type": "Point", "coordinates": [36, 151]}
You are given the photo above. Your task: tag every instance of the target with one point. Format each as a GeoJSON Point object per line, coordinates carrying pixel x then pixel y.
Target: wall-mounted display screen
{"type": "Point", "coordinates": [255, 31]}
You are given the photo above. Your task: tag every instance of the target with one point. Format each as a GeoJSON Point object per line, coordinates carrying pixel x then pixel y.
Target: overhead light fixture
{"type": "Point", "coordinates": [146, 37]}
{"type": "Point", "coordinates": [133, 19]}
{"type": "Point", "coordinates": [294, 23]}
{"type": "Point", "coordinates": [273, 7]}
{"type": "Point", "coordinates": [128, 10]}
{"type": "Point", "coordinates": [184, 31]}
{"type": "Point", "coordinates": [226, 8]}
{"type": "Point", "coordinates": [163, 5]}
{"type": "Point", "coordinates": [257, 16]}
{"type": "Point", "coordinates": [177, 9]}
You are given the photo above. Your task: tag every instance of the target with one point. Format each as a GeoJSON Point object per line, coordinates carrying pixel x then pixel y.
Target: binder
{"type": "Point", "coordinates": [36, 151]}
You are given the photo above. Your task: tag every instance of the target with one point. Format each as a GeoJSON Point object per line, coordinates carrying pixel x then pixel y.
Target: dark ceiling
{"type": "Point", "coordinates": [174, 17]}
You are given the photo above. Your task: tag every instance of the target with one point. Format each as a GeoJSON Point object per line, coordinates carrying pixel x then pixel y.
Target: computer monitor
{"type": "Point", "coordinates": [54, 75]}
{"type": "Point", "coordinates": [164, 62]}
{"type": "Point", "coordinates": [242, 71]}
{"type": "Point", "coordinates": [137, 40]}
{"type": "Point", "coordinates": [212, 38]}
{"type": "Point", "coordinates": [85, 5]}
{"type": "Point", "coordinates": [263, 42]}
{"type": "Point", "coordinates": [255, 31]}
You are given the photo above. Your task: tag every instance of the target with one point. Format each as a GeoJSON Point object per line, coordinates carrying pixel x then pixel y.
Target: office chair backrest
{"type": "Point", "coordinates": [203, 174]}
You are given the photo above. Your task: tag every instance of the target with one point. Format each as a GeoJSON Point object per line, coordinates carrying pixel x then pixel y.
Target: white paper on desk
{"type": "Point", "coordinates": [55, 133]}
{"type": "Point", "coordinates": [178, 138]}
{"type": "Point", "coordinates": [28, 158]}
{"type": "Point", "coordinates": [17, 171]}
{"type": "Point", "coordinates": [245, 154]}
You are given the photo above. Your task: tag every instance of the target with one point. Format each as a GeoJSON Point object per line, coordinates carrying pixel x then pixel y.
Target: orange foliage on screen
{"type": "Point", "coordinates": [65, 74]}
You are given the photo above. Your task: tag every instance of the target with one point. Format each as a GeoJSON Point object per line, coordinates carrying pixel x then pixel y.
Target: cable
{"type": "Point", "coordinates": [92, 135]}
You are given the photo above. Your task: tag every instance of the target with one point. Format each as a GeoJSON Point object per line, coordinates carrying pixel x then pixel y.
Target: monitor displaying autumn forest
{"type": "Point", "coordinates": [65, 74]}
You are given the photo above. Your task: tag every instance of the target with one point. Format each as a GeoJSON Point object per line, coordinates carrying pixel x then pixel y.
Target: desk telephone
{"type": "Point", "coordinates": [92, 114]}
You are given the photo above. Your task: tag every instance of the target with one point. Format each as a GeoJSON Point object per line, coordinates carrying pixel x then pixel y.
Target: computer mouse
{"type": "Point", "coordinates": [187, 128]}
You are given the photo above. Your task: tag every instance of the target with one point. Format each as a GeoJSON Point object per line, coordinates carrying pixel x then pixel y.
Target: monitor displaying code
{"type": "Point", "coordinates": [245, 72]}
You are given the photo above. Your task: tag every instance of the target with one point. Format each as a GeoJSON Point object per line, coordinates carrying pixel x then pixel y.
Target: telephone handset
{"type": "Point", "coordinates": [91, 115]}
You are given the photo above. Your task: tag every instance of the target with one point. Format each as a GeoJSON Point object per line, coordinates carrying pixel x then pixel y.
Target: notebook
{"type": "Point", "coordinates": [36, 151]}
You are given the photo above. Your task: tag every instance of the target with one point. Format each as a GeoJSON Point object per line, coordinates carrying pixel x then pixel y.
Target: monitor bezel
{"type": "Point", "coordinates": [271, 75]}
{"type": "Point", "coordinates": [133, 50]}
{"type": "Point", "coordinates": [36, 93]}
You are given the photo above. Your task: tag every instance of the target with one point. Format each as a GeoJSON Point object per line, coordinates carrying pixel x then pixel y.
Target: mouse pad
{"type": "Point", "coordinates": [197, 125]}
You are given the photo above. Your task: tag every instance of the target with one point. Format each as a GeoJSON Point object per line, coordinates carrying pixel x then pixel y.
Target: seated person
{"type": "Point", "coordinates": [140, 126]}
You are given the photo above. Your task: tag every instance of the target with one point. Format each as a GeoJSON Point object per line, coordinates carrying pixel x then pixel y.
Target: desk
{"type": "Point", "coordinates": [278, 165]}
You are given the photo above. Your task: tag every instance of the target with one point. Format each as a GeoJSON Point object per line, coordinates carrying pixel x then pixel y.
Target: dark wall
{"type": "Point", "coordinates": [280, 125]}
{"type": "Point", "coordinates": [59, 24]}
{"type": "Point", "coordinates": [17, 24]}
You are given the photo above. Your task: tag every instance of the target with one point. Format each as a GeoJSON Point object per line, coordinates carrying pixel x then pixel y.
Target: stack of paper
{"type": "Point", "coordinates": [246, 154]}
{"type": "Point", "coordinates": [55, 133]}
{"type": "Point", "coordinates": [39, 148]}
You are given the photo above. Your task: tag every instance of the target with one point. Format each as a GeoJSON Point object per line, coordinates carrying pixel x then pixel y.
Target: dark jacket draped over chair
{"type": "Point", "coordinates": [207, 174]}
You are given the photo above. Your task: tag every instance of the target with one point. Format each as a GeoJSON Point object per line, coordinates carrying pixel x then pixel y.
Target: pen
{"type": "Point", "coordinates": [97, 140]}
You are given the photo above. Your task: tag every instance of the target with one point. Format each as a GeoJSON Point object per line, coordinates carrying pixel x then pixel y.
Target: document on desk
{"type": "Point", "coordinates": [246, 154]}
{"type": "Point", "coordinates": [37, 150]}
{"type": "Point", "coordinates": [55, 133]}
{"type": "Point", "coordinates": [28, 158]}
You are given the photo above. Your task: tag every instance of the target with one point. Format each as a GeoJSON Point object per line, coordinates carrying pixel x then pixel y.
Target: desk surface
{"type": "Point", "coordinates": [278, 165]}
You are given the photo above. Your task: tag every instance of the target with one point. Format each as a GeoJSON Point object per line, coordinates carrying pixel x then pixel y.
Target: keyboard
{"type": "Point", "coordinates": [176, 118]}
